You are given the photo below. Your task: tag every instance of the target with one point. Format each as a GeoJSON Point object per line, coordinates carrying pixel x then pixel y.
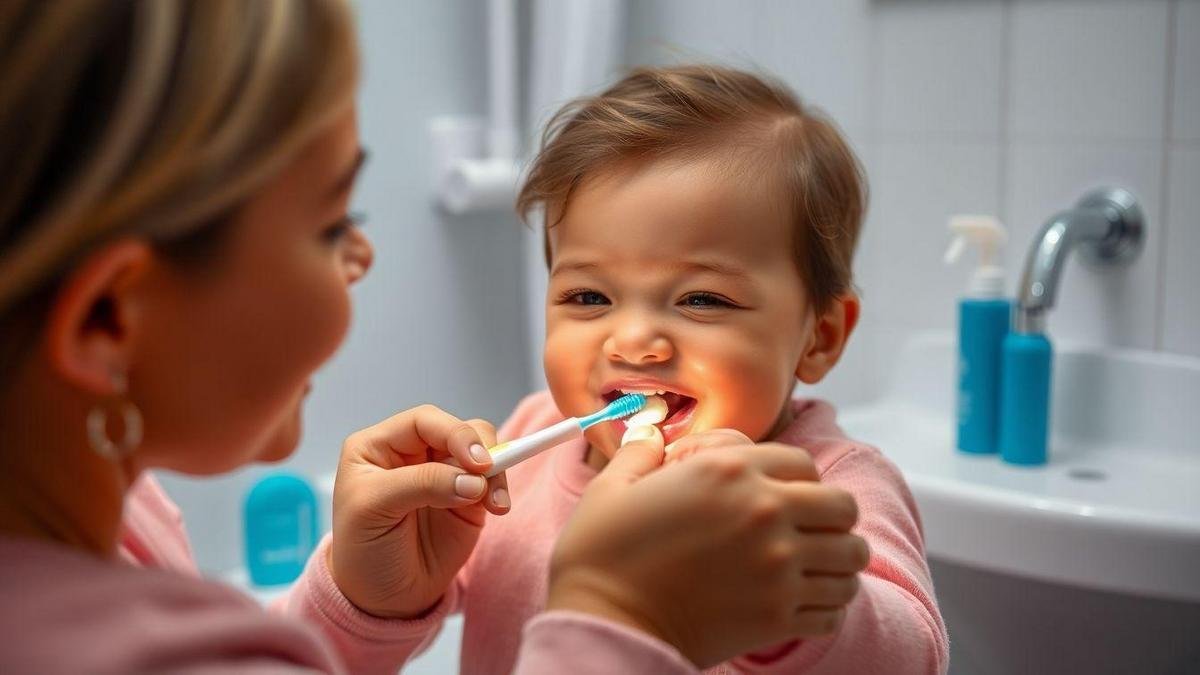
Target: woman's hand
{"type": "Point", "coordinates": [730, 547]}
{"type": "Point", "coordinates": [403, 521]}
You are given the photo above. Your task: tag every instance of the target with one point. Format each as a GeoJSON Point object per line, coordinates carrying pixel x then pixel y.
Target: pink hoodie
{"type": "Point", "coordinates": [65, 611]}
{"type": "Point", "coordinates": [892, 626]}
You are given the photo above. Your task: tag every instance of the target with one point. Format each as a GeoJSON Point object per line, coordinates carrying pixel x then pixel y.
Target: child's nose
{"type": "Point", "coordinates": [638, 342]}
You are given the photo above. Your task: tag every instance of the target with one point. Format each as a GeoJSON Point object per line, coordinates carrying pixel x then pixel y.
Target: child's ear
{"type": "Point", "coordinates": [93, 322]}
{"type": "Point", "coordinates": [830, 332]}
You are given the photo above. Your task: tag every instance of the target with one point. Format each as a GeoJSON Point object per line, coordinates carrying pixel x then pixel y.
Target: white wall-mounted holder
{"type": "Point", "coordinates": [475, 160]}
{"type": "Point", "coordinates": [466, 179]}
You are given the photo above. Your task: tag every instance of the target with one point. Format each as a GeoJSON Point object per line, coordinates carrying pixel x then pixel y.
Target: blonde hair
{"type": "Point", "coordinates": [151, 118]}
{"type": "Point", "coordinates": [698, 111]}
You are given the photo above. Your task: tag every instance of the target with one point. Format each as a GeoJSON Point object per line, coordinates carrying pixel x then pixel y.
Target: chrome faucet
{"type": "Point", "coordinates": [1108, 227]}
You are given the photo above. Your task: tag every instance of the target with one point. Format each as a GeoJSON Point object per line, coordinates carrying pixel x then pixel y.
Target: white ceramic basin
{"type": "Point", "coordinates": [1117, 507]}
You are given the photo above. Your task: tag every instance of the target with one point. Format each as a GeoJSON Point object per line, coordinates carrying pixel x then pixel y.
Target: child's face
{"type": "Point", "coordinates": [675, 277]}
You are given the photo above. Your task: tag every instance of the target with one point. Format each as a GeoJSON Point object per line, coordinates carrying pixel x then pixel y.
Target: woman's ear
{"type": "Point", "coordinates": [830, 333]}
{"type": "Point", "coordinates": [94, 321]}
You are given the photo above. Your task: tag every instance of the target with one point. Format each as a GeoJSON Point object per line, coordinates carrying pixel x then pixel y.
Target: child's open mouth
{"type": "Point", "coordinates": [679, 410]}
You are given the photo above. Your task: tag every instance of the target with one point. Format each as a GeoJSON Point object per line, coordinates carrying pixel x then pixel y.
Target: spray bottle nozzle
{"type": "Point", "coordinates": [988, 235]}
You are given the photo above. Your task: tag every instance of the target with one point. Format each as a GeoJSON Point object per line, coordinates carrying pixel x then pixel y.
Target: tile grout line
{"type": "Point", "coordinates": [1005, 155]}
{"type": "Point", "coordinates": [874, 56]}
{"type": "Point", "coordinates": [1164, 211]}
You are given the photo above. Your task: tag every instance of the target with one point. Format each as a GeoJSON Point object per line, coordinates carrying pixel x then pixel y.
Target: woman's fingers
{"type": "Point", "coordinates": [633, 460]}
{"type": "Point", "coordinates": [485, 431]}
{"type": "Point", "coordinates": [775, 460]}
{"type": "Point", "coordinates": [713, 438]}
{"type": "Point", "coordinates": [497, 499]}
{"type": "Point", "coordinates": [827, 553]}
{"type": "Point", "coordinates": [828, 591]}
{"type": "Point", "coordinates": [414, 434]}
{"type": "Point", "coordinates": [782, 462]}
{"type": "Point", "coordinates": [814, 621]}
{"type": "Point", "coordinates": [815, 507]}
{"type": "Point", "coordinates": [391, 495]}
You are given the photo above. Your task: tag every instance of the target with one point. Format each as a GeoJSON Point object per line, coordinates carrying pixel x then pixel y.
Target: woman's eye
{"type": "Point", "coordinates": [585, 297]}
{"type": "Point", "coordinates": [337, 231]}
{"type": "Point", "coordinates": [705, 300]}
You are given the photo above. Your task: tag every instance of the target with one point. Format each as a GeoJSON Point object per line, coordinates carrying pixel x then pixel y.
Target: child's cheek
{"type": "Point", "coordinates": [744, 391]}
{"type": "Point", "coordinates": [567, 371]}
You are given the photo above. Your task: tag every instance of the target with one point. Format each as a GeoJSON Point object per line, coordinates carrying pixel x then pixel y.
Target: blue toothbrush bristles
{"type": "Point", "coordinates": [622, 407]}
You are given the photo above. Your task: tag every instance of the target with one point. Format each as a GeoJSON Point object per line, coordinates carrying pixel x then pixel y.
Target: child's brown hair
{"type": "Point", "coordinates": [696, 111]}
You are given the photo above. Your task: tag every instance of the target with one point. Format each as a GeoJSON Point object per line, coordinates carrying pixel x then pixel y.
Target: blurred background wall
{"type": "Point", "coordinates": [1007, 107]}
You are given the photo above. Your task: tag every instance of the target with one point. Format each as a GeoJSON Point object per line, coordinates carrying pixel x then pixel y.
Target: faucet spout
{"type": "Point", "coordinates": [1106, 225]}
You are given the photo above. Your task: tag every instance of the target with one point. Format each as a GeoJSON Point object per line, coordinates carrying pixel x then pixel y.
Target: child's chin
{"type": "Point", "coordinates": [604, 441]}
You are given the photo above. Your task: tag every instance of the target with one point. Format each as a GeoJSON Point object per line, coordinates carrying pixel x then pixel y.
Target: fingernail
{"type": "Point", "coordinates": [480, 454]}
{"type": "Point", "coordinates": [500, 498]}
{"type": "Point", "coordinates": [468, 486]}
{"type": "Point", "coordinates": [638, 434]}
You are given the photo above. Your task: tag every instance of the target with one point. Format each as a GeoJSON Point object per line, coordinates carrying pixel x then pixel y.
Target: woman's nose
{"type": "Point", "coordinates": [638, 342]}
{"type": "Point", "coordinates": [359, 256]}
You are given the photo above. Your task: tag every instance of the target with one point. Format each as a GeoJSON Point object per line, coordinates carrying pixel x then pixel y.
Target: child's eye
{"type": "Point", "coordinates": [335, 232]}
{"type": "Point", "coordinates": [702, 300]}
{"type": "Point", "coordinates": [582, 296]}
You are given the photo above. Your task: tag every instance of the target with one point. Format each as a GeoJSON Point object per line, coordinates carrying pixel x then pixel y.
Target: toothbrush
{"type": "Point", "coordinates": [509, 454]}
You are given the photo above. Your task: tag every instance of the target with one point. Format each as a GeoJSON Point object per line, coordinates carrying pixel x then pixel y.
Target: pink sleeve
{"type": "Point", "coordinates": [893, 625]}
{"type": "Point", "coordinates": [366, 643]}
{"type": "Point", "coordinates": [558, 642]}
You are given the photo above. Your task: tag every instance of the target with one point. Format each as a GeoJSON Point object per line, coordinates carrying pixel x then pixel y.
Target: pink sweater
{"type": "Point", "coordinates": [892, 626]}
{"type": "Point", "coordinates": [65, 611]}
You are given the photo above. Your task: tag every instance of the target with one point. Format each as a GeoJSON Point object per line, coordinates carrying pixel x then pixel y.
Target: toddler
{"type": "Point", "coordinates": [700, 225]}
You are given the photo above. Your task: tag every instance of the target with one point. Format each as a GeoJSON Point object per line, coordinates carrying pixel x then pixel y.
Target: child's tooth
{"type": "Point", "coordinates": [653, 412]}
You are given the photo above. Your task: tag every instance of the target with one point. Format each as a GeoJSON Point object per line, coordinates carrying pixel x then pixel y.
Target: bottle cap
{"type": "Point", "coordinates": [988, 235]}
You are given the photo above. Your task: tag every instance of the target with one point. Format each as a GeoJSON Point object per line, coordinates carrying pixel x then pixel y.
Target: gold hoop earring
{"type": "Point", "coordinates": [131, 418]}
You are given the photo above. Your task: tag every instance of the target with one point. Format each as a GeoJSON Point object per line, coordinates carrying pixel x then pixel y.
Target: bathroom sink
{"type": "Point", "coordinates": [1117, 506]}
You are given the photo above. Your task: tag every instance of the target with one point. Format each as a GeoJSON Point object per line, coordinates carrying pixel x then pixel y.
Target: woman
{"type": "Point", "coordinates": [175, 260]}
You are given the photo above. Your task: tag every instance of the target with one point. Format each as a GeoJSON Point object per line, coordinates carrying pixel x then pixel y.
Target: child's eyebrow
{"type": "Point", "coordinates": [714, 266]}
{"type": "Point", "coordinates": [573, 266]}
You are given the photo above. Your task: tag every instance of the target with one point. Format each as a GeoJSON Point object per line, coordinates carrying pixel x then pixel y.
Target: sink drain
{"type": "Point", "coordinates": [1087, 474]}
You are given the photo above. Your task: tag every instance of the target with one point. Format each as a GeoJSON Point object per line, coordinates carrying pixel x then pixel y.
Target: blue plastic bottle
{"type": "Point", "coordinates": [1025, 398]}
{"type": "Point", "coordinates": [983, 321]}
{"type": "Point", "coordinates": [280, 518]}
{"type": "Point", "coordinates": [981, 330]}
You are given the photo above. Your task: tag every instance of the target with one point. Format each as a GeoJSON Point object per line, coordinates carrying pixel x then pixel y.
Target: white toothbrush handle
{"type": "Point", "coordinates": [507, 455]}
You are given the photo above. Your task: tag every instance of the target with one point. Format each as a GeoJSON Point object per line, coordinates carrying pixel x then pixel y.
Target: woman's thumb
{"type": "Point", "coordinates": [641, 453]}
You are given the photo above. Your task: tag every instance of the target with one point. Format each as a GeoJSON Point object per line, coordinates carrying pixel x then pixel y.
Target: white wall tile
{"type": "Point", "coordinates": [1181, 301]}
{"type": "Point", "coordinates": [667, 31]}
{"type": "Point", "coordinates": [1186, 112]}
{"type": "Point", "coordinates": [821, 48]}
{"type": "Point", "coordinates": [938, 69]}
{"type": "Point", "coordinates": [1083, 69]}
{"type": "Point", "coordinates": [917, 186]}
{"type": "Point", "coordinates": [1113, 307]}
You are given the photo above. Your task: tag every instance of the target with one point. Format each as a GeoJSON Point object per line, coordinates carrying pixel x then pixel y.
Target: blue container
{"type": "Point", "coordinates": [1025, 399]}
{"type": "Point", "coordinates": [982, 325]}
{"type": "Point", "coordinates": [280, 524]}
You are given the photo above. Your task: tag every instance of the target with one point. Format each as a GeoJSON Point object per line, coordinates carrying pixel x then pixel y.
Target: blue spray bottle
{"type": "Point", "coordinates": [280, 514]}
{"type": "Point", "coordinates": [983, 321]}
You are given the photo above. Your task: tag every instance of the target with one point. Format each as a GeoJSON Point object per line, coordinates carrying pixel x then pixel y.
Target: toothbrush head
{"type": "Point", "coordinates": [618, 409]}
